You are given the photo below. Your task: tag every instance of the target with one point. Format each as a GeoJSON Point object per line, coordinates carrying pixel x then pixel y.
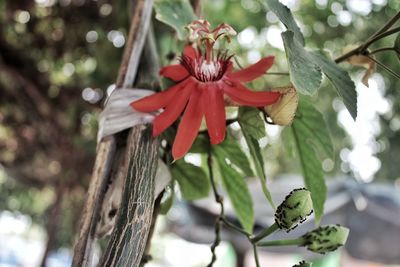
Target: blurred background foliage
{"type": "Point", "coordinates": [59, 59]}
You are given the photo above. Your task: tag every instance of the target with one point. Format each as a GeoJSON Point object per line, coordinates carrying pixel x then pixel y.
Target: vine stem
{"type": "Point", "coordinates": [381, 33]}
{"type": "Point", "coordinates": [288, 242]}
{"type": "Point", "coordinates": [220, 201]}
{"type": "Point", "coordinates": [221, 220]}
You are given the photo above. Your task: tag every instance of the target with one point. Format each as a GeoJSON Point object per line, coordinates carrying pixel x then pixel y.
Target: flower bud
{"type": "Point", "coordinates": [294, 209]}
{"type": "Point", "coordinates": [303, 264]}
{"type": "Point", "coordinates": [326, 238]}
{"type": "Point", "coordinates": [283, 111]}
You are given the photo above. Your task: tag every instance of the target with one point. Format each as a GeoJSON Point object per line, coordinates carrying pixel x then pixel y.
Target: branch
{"type": "Point", "coordinates": [381, 33]}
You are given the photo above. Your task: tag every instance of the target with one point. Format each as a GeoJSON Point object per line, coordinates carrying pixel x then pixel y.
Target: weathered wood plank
{"type": "Point", "coordinates": [83, 250]}
{"type": "Point", "coordinates": [129, 237]}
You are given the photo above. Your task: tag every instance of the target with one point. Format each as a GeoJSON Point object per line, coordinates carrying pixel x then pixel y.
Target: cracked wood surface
{"type": "Point", "coordinates": [83, 250]}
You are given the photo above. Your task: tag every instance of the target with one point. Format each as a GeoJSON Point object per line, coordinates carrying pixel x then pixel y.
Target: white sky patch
{"type": "Point", "coordinates": [371, 103]}
{"type": "Point", "coordinates": [344, 17]}
{"type": "Point", "coordinates": [195, 159]}
{"type": "Point", "coordinates": [293, 5]}
{"type": "Point", "coordinates": [253, 56]}
{"type": "Point", "coordinates": [380, 2]}
{"type": "Point", "coordinates": [246, 37]}
{"type": "Point", "coordinates": [362, 7]}
{"type": "Point", "coordinates": [273, 35]}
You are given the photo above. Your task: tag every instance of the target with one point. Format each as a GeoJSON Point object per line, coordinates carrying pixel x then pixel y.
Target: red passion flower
{"type": "Point", "coordinates": [202, 78]}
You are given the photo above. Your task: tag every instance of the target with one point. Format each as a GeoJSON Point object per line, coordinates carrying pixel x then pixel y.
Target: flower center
{"type": "Point", "coordinates": [204, 70]}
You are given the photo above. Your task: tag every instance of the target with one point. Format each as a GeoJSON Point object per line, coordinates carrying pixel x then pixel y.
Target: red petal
{"type": "Point", "coordinates": [244, 96]}
{"type": "Point", "coordinates": [215, 113]}
{"type": "Point", "coordinates": [190, 52]}
{"type": "Point", "coordinates": [254, 71]}
{"type": "Point", "coordinates": [172, 111]}
{"type": "Point", "coordinates": [158, 100]}
{"type": "Point", "coordinates": [174, 72]}
{"type": "Point", "coordinates": [189, 125]}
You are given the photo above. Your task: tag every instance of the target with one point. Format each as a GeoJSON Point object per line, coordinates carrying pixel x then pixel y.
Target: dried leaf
{"type": "Point", "coordinates": [365, 62]}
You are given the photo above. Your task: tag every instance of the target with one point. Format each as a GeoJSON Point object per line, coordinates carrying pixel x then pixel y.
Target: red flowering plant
{"type": "Point", "coordinates": [204, 78]}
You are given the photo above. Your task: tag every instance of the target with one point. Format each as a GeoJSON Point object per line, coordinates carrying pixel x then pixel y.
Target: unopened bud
{"type": "Point", "coordinates": [326, 238]}
{"type": "Point", "coordinates": [303, 264]}
{"type": "Point", "coordinates": [283, 111]}
{"type": "Point", "coordinates": [295, 209]}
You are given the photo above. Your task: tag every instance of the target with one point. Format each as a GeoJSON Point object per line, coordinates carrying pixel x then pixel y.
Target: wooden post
{"type": "Point", "coordinates": [138, 166]}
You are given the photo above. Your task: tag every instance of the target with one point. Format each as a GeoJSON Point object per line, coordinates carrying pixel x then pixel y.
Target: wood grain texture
{"type": "Point", "coordinates": [129, 237]}
{"type": "Point", "coordinates": [83, 249]}
{"type": "Point", "coordinates": [91, 212]}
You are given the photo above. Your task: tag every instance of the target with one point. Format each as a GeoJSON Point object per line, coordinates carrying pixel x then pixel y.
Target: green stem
{"type": "Point", "coordinates": [384, 67]}
{"type": "Point", "coordinates": [277, 73]}
{"type": "Point", "coordinates": [257, 260]}
{"type": "Point", "coordinates": [266, 232]}
{"type": "Point", "coordinates": [288, 242]}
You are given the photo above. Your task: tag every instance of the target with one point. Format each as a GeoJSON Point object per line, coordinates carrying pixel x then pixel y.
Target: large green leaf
{"type": "Point", "coordinates": [253, 128]}
{"type": "Point", "coordinates": [250, 119]}
{"type": "Point", "coordinates": [192, 180]}
{"type": "Point", "coordinates": [237, 190]}
{"type": "Point", "coordinates": [305, 75]}
{"type": "Point", "coordinates": [231, 150]}
{"type": "Point", "coordinates": [286, 17]}
{"type": "Point", "coordinates": [310, 136]}
{"type": "Point", "coordinates": [341, 80]}
{"type": "Point", "coordinates": [175, 13]}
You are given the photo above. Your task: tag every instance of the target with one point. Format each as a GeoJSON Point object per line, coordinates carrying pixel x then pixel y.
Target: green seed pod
{"type": "Point", "coordinates": [295, 209]}
{"type": "Point", "coordinates": [303, 264]}
{"type": "Point", "coordinates": [326, 238]}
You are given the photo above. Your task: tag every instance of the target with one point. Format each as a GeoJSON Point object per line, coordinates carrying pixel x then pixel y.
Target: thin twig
{"type": "Point", "coordinates": [382, 50]}
{"type": "Point", "coordinates": [387, 26]}
{"type": "Point", "coordinates": [384, 67]}
{"type": "Point", "coordinates": [230, 225]}
{"type": "Point", "coordinates": [381, 33]}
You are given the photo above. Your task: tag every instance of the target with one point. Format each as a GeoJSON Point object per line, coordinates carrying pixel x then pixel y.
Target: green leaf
{"type": "Point", "coordinates": [258, 160]}
{"type": "Point", "coordinates": [238, 192]}
{"type": "Point", "coordinates": [192, 180]}
{"type": "Point", "coordinates": [200, 145]}
{"type": "Point", "coordinates": [231, 150]}
{"type": "Point", "coordinates": [310, 136]}
{"type": "Point", "coordinates": [314, 129]}
{"type": "Point", "coordinates": [286, 17]}
{"type": "Point", "coordinates": [397, 45]}
{"type": "Point", "coordinates": [305, 75]}
{"type": "Point", "coordinates": [249, 119]}
{"type": "Point", "coordinates": [175, 13]}
{"type": "Point", "coordinates": [341, 80]}
{"type": "Point", "coordinates": [253, 128]}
